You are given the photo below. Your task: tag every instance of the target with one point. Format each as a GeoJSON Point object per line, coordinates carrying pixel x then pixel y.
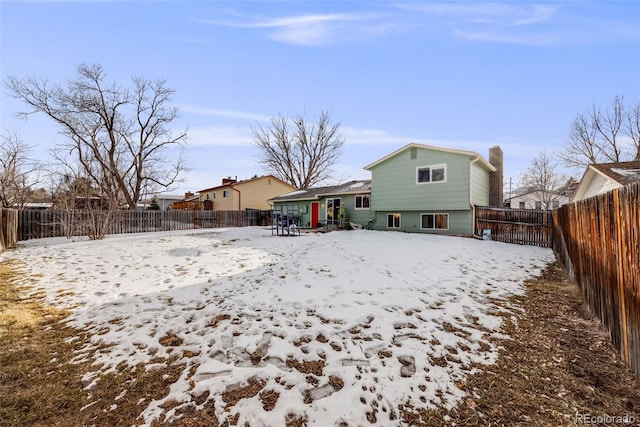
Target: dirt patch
{"type": "Point", "coordinates": [558, 366]}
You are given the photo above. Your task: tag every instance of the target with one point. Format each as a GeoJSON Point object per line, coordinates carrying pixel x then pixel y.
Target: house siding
{"type": "Point", "coordinates": [599, 185]}
{"type": "Point", "coordinates": [360, 216]}
{"type": "Point", "coordinates": [479, 185]}
{"type": "Point", "coordinates": [394, 184]}
{"type": "Point", "coordinates": [253, 194]}
{"type": "Point", "coordinates": [460, 222]}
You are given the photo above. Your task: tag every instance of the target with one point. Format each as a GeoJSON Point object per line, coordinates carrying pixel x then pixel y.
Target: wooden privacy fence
{"type": "Point", "coordinates": [598, 240]}
{"type": "Point", "coordinates": [520, 226]}
{"type": "Point", "coordinates": [8, 228]}
{"type": "Point", "coordinates": [34, 224]}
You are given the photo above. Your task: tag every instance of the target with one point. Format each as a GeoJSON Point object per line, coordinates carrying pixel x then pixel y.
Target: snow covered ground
{"type": "Point", "coordinates": [341, 327]}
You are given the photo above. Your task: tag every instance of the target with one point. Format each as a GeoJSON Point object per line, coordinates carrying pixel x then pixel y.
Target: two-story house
{"type": "Point", "coordinates": [252, 193]}
{"type": "Point", "coordinates": [420, 188]}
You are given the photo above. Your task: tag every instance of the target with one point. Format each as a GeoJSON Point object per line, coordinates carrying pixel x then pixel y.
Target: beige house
{"type": "Point", "coordinates": [604, 177]}
{"type": "Point", "coordinates": [248, 194]}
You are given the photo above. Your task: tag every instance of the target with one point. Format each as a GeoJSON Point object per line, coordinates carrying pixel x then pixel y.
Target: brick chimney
{"type": "Point", "coordinates": [496, 179]}
{"type": "Point", "coordinates": [229, 180]}
{"type": "Point", "coordinates": [188, 195]}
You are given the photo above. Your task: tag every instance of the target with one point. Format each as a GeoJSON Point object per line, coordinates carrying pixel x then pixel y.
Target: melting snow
{"type": "Point", "coordinates": [394, 317]}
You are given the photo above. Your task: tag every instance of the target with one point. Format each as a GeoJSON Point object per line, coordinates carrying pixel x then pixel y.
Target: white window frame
{"type": "Point", "coordinates": [225, 193]}
{"type": "Point", "coordinates": [434, 221]}
{"type": "Point", "coordinates": [442, 166]}
{"type": "Point", "coordinates": [395, 216]}
{"type": "Point", "coordinates": [361, 196]}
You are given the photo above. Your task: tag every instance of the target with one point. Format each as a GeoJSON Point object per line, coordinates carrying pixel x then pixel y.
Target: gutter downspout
{"type": "Point", "coordinates": [239, 204]}
{"type": "Point", "coordinates": [473, 208]}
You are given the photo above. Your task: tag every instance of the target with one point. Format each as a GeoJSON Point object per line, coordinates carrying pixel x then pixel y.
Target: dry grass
{"type": "Point", "coordinates": [558, 363]}
{"type": "Point", "coordinates": [39, 384]}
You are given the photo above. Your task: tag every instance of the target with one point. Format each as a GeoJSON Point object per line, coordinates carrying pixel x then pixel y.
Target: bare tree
{"type": "Point", "coordinates": [299, 152]}
{"type": "Point", "coordinates": [18, 172]}
{"type": "Point", "coordinates": [543, 179]}
{"type": "Point", "coordinates": [608, 136]}
{"type": "Point", "coordinates": [119, 137]}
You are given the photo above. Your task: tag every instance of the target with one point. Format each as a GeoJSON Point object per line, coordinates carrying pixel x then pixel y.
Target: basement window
{"type": "Point", "coordinates": [393, 220]}
{"type": "Point", "coordinates": [439, 221]}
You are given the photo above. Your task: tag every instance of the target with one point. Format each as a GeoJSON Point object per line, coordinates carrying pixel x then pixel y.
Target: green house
{"type": "Point", "coordinates": [420, 188]}
{"type": "Point", "coordinates": [334, 205]}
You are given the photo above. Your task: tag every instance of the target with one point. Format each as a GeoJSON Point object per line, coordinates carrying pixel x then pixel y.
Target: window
{"type": "Point", "coordinates": [333, 211]}
{"type": "Point", "coordinates": [208, 196]}
{"type": "Point", "coordinates": [414, 153]}
{"type": "Point", "coordinates": [393, 220]}
{"type": "Point", "coordinates": [427, 174]}
{"type": "Point", "coordinates": [225, 193]}
{"type": "Point", "coordinates": [521, 205]}
{"type": "Point", "coordinates": [538, 205]}
{"type": "Point", "coordinates": [214, 195]}
{"type": "Point", "coordinates": [362, 201]}
{"type": "Point", "coordinates": [555, 204]}
{"type": "Point", "coordinates": [434, 221]}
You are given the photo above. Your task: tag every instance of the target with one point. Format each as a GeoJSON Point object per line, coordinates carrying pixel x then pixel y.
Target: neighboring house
{"type": "Point", "coordinates": [252, 193]}
{"type": "Point", "coordinates": [530, 198]}
{"type": "Point", "coordinates": [420, 188]}
{"type": "Point", "coordinates": [165, 201]}
{"type": "Point", "coordinates": [190, 202]}
{"type": "Point", "coordinates": [604, 177]}
{"type": "Point", "coordinates": [350, 202]}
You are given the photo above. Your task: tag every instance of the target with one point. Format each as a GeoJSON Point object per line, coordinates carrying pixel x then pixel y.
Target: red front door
{"type": "Point", "coordinates": [315, 209]}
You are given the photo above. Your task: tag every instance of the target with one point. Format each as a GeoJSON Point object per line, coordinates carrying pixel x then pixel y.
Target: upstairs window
{"type": "Point", "coordinates": [429, 174]}
{"type": "Point", "coordinates": [225, 193]}
{"type": "Point", "coordinates": [362, 201]}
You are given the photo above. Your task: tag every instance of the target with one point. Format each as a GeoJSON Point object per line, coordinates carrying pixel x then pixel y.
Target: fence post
{"type": "Point", "coordinates": [623, 308]}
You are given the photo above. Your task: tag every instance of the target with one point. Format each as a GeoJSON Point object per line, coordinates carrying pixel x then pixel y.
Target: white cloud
{"type": "Point", "coordinates": [311, 29]}
{"type": "Point", "coordinates": [486, 13]}
{"type": "Point", "coordinates": [230, 114]}
{"type": "Point", "coordinates": [219, 136]}
{"type": "Point", "coordinates": [535, 39]}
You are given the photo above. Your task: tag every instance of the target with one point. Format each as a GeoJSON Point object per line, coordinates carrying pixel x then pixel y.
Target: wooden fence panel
{"type": "Point", "coordinates": [35, 224]}
{"type": "Point", "coordinates": [598, 241]}
{"type": "Point", "coordinates": [520, 226]}
{"type": "Point", "coordinates": [8, 228]}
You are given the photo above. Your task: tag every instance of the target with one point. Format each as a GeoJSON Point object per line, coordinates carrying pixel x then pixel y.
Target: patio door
{"type": "Point", "coordinates": [333, 211]}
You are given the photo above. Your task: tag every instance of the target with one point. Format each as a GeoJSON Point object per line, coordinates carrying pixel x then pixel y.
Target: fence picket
{"type": "Point", "coordinates": [33, 224]}
{"type": "Point", "coordinates": [520, 226]}
{"type": "Point", "coordinates": [598, 241]}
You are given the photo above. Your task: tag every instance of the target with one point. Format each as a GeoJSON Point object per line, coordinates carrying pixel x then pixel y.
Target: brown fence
{"type": "Point", "coordinates": [34, 224]}
{"type": "Point", "coordinates": [520, 226]}
{"type": "Point", "coordinates": [598, 240]}
{"type": "Point", "coordinates": [8, 228]}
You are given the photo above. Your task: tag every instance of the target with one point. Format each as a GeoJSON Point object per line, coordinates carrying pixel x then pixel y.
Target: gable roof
{"type": "Point", "coordinates": [472, 154]}
{"type": "Point", "coordinates": [351, 187]}
{"type": "Point", "coordinates": [618, 174]}
{"type": "Point", "coordinates": [246, 181]}
{"type": "Point", "coordinates": [621, 172]}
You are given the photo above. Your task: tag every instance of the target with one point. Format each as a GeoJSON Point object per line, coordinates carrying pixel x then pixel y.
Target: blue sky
{"type": "Point", "coordinates": [453, 74]}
